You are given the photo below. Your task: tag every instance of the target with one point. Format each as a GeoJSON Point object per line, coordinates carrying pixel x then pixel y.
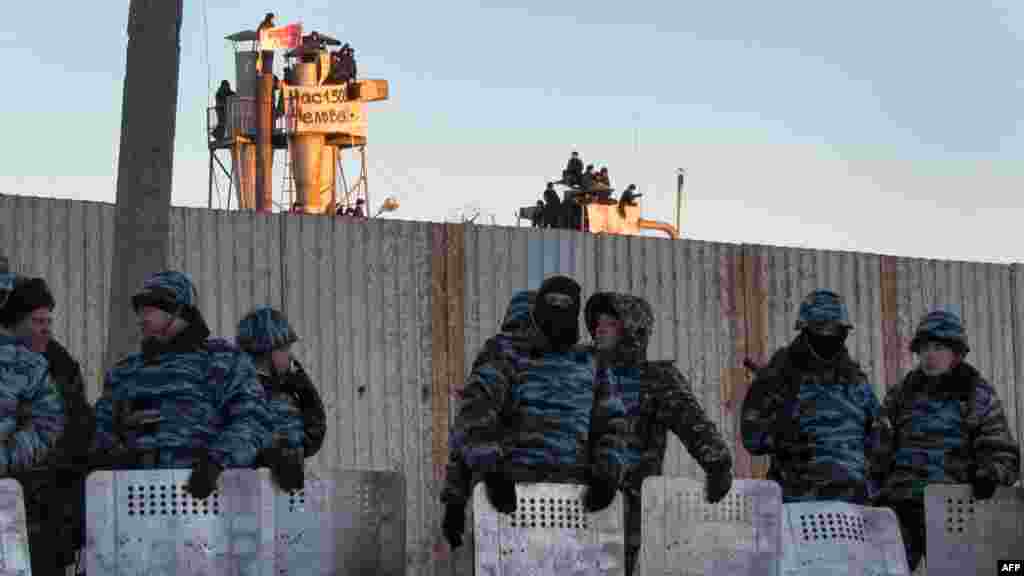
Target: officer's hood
{"type": "Point", "coordinates": [637, 323]}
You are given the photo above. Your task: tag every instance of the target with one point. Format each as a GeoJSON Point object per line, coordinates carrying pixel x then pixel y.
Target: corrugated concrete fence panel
{"type": "Point", "coordinates": [69, 243]}
{"type": "Point", "coordinates": [1016, 403]}
{"type": "Point", "coordinates": [234, 259]}
{"type": "Point", "coordinates": [983, 296]}
{"type": "Point", "coordinates": [359, 294]}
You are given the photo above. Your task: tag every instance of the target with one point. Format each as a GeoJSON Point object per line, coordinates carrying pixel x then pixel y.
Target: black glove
{"type": "Point", "coordinates": [982, 485]}
{"type": "Point", "coordinates": [718, 483]}
{"type": "Point", "coordinates": [203, 480]}
{"type": "Point", "coordinates": [599, 494]}
{"type": "Point", "coordinates": [454, 523]}
{"type": "Point", "coordinates": [501, 492]}
{"type": "Point", "coordinates": [287, 469]}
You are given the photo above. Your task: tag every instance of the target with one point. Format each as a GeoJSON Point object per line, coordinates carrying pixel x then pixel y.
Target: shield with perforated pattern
{"type": "Point", "coordinates": [684, 535]}
{"type": "Point", "coordinates": [549, 534]}
{"type": "Point", "coordinates": [967, 536]}
{"type": "Point", "coordinates": [348, 523]}
{"type": "Point", "coordinates": [144, 522]}
{"type": "Point", "coordinates": [841, 539]}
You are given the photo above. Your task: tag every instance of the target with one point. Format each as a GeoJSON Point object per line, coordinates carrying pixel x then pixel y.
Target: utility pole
{"type": "Point", "coordinates": [264, 133]}
{"type": "Point", "coordinates": [680, 181]}
{"type": "Point", "coordinates": [146, 158]}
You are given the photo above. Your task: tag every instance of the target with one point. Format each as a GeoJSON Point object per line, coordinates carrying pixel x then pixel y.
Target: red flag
{"type": "Point", "coordinates": [281, 38]}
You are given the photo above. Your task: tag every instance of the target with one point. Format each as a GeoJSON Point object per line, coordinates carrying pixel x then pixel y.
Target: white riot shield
{"type": "Point", "coordinates": [839, 539]}
{"type": "Point", "coordinates": [965, 536]}
{"type": "Point", "coordinates": [683, 535]}
{"type": "Point", "coordinates": [143, 522]}
{"type": "Point", "coordinates": [549, 534]}
{"type": "Point", "coordinates": [14, 555]}
{"type": "Point", "coordinates": [349, 523]}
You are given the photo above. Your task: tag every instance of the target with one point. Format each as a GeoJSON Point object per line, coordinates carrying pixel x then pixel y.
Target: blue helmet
{"type": "Point", "coordinates": [823, 309]}
{"type": "Point", "coordinates": [170, 290]}
{"type": "Point", "coordinates": [941, 326]}
{"type": "Point", "coordinates": [264, 329]}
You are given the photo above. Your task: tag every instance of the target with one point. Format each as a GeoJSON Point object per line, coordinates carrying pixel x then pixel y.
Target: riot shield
{"type": "Point", "coordinates": [683, 535]}
{"type": "Point", "coordinates": [966, 536]}
{"type": "Point", "coordinates": [839, 539]}
{"type": "Point", "coordinates": [549, 534]}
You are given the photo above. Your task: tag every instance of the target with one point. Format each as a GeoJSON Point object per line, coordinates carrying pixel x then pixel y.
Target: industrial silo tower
{"type": "Point", "coordinates": [298, 93]}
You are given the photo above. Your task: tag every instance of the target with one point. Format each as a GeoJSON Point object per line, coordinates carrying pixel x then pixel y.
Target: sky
{"type": "Point", "coordinates": [883, 127]}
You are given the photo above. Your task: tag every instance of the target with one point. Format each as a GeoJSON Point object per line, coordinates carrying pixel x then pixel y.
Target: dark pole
{"type": "Point", "coordinates": [264, 130]}
{"type": "Point", "coordinates": [145, 163]}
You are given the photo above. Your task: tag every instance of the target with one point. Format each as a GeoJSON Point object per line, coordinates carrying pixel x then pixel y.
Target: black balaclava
{"type": "Point", "coordinates": [827, 344]}
{"type": "Point", "coordinates": [560, 324]}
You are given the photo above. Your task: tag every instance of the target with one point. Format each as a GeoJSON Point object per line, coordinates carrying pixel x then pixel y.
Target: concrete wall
{"type": "Point", "coordinates": [392, 313]}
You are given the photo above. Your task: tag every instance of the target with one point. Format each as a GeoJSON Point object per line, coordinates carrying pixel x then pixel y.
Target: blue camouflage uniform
{"type": "Point", "coordinates": [55, 488]}
{"type": "Point", "coordinates": [817, 417]}
{"type": "Point", "coordinates": [947, 429]}
{"type": "Point", "coordinates": [31, 413]}
{"type": "Point", "coordinates": [657, 399]}
{"type": "Point", "coordinates": [295, 407]}
{"type": "Point", "coordinates": [528, 411]}
{"type": "Point", "coordinates": [176, 402]}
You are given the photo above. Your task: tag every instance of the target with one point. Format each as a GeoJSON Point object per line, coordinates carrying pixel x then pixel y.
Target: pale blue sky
{"type": "Point", "coordinates": [890, 127]}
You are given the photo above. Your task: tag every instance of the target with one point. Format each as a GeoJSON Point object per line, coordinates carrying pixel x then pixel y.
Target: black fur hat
{"type": "Point", "coordinates": [29, 294]}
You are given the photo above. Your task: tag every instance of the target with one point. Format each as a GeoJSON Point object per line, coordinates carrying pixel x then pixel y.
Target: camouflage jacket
{"type": "Point", "coordinates": [943, 426]}
{"type": "Point", "coordinates": [201, 397]}
{"type": "Point", "coordinates": [296, 410]}
{"type": "Point", "coordinates": [31, 414]}
{"type": "Point", "coordinates": [821, 423]}
{"type": "Point", "coordinates": [533, 412]}
{"type": "Point", "coordinates": [657, 399]}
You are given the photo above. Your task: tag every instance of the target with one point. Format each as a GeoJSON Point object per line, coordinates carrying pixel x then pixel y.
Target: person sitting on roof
{"type": "Point", "coordinates": [312, 44]}
{"type": "Point", "coordinates": [629, 196]}
{"type": "Point", "coordinates": [537, 215]}
{"type": "Point", "coordinates": [348, 58]}
{"type": "Point", "coordinates": [588, 178]}
{"type": "Point", "coordinates": [573, 170]}
{"type": "Point", "coordinates": [343, 66]}
{"type": "Point", "coordinates": [552, 207]}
